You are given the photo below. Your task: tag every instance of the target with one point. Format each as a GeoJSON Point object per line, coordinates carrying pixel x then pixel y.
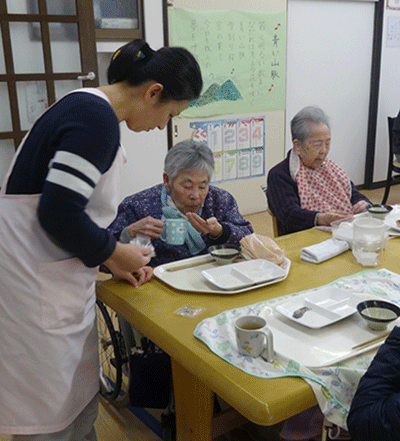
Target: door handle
{"type": "Point", "coordinates": [90, 76]}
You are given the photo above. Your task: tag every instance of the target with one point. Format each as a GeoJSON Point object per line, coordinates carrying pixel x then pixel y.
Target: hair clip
{"type": "Point", "coordinates": [140, 55]}
{"type": "Point", "coordinates": [116, 53]}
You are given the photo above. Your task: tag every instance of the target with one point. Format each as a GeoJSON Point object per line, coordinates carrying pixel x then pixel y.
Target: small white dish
{"type": "Point", "coordinates": [324, 307]}
{"type": "Point", "coordinates": [240, 275]}
{"type": "Point", "coordinates": [392, 223]}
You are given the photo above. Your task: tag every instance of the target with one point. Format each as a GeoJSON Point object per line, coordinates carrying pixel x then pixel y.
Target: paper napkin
{"type": "Point", "coordinates": [324, 250]}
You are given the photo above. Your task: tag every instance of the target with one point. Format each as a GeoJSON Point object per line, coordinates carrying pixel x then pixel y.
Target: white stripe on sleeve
{"type": "Point", "coordinates": [78, 163]}
{"type": "Point", "coordinates": [69, 181]}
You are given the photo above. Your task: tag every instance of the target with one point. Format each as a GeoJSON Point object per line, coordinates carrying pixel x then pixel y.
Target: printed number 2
{"type": "Point", "coordinates": [229, 136]}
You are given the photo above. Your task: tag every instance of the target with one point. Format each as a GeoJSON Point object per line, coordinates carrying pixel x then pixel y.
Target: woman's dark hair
{"type": "Point", "coordinates": [174, 67]}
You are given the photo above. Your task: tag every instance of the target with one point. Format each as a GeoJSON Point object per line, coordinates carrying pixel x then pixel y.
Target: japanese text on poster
{"type": "Point", "coordinates": [242, 56]}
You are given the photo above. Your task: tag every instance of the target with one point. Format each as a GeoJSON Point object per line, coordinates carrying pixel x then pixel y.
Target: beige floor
{"type": "Point", "coordinates": [122, 425]}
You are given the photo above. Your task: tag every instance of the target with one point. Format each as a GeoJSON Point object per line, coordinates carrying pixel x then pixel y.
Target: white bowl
{"type": "Point", "coordinates": [379, 211]}
{"type": "Point", "coordinates": [378, 313]}
{"type": "Point", "coordinates": [224, 253]}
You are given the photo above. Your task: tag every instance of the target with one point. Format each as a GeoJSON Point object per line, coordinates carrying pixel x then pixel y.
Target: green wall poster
{"type": "Point", "coordinates": [242, 56]}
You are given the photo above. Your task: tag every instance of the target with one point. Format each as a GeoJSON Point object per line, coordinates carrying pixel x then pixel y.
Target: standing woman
{"type": "Point", "coordinates": [60, 194]}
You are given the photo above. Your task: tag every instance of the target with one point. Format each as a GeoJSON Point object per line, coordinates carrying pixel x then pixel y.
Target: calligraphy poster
{"type": "Point", "coordinates": [242, 55]}
{"type": "Point", "coordinates": [238, 146]}
{"type": "Point", "coordinates": [393, 32]}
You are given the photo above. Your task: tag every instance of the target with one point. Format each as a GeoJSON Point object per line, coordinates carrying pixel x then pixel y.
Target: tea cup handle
{"type": "Point", "coordinates": [268, 353]}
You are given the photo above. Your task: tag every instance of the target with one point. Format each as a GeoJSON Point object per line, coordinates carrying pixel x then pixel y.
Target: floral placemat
{"type": "Point", "coordinates": [334, 386]}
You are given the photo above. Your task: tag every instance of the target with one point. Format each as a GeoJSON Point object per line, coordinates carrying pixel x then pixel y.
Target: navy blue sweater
{"type": "Point", "coordinates": [375, 410]}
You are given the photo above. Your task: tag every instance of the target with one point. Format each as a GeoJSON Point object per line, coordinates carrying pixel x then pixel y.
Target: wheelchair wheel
{"type": "Point", "coordinates": [126, 343]}
{"type": "Point", "coordinates": [110, 355]}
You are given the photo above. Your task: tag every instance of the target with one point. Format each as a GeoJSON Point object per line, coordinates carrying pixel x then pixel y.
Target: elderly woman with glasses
{"type": "Point", "coordinates": [212, 215]}
{"type": "Point", "coordinates": [308, 189]}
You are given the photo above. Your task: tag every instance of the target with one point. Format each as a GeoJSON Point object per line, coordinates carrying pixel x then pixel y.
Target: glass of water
{"type": "Point", "coordinates": [369, 240]}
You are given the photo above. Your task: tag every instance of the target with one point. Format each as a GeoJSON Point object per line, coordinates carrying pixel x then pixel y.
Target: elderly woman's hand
{"type": "Point", "coordinates": [210, 226]}
{"type": "Point", "coordinates": [360, 207]}
{"type": "Point", "coordinates": [326, 219]}
{"type": "Point", "coordinates": [148, 226]}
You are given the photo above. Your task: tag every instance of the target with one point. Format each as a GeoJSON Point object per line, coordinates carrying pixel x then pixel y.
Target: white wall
{"type": "Point", "coordinates": [389, 96]}
{"type": "Point", "coordinates": [329, 53]}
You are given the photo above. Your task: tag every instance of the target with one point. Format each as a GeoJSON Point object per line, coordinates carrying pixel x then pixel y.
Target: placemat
{"type": "Point", "coordinates": [334, 386]}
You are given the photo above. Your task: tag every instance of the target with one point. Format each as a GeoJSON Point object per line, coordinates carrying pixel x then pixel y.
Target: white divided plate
{"type": "Point", "coordinates": [240, 275]}
{"type": "Point", "coordinates": [185, 275]}
{"type": "Point", "coordinates": [326, 306]}
{"type": "Point", "coordinates": [321, 347]}
{"type": "Point", "coordinates": [391, 222]}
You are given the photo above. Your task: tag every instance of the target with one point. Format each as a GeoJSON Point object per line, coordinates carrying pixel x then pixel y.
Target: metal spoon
{"type": "Point", "coordinates": [300, 312]}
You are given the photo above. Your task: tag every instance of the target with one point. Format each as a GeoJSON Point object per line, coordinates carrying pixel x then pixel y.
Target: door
{"type": "Point", "coordinates": [47, 48]}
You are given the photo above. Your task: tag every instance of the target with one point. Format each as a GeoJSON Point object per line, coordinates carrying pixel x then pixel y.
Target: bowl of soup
{"type": "Point", "coordinates": [379, 211]}
{"type": "Point", "coordinates": [378, 313]}
{"type": "Point", "coordinates": [224, 253]}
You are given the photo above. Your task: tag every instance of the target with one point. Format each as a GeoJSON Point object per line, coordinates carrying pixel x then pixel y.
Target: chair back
{"type": "Point", "coordinates": [275, 228]}
{"type": "Point", "coordinates": [390, 127]}
{"type": "Point", "coordinates": [389, 179]}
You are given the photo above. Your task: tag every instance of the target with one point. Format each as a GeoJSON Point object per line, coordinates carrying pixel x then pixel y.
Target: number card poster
{"type": "Point", "coordinates": [238, 146]}
{"type": "Point", "coordinates": [242, 55]}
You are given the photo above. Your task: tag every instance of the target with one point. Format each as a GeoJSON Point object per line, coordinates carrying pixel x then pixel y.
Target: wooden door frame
{"type": "Point", "coordinates": [84, 18]}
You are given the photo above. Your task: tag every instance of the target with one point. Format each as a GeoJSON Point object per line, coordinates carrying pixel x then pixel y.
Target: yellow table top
{"type": "Point", "coordinates": [150, 308]}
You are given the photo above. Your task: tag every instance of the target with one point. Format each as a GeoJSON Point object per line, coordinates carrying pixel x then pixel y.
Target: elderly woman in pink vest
{"type": "Point", "coordinates": [307, 188]}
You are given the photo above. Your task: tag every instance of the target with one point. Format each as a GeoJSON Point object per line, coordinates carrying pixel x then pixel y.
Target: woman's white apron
{"type": "Point", "coordinates": [49, 367]}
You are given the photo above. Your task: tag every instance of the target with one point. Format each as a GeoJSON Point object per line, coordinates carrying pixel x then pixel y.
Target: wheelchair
{"type": "Point", "coordinates": [118, 340]}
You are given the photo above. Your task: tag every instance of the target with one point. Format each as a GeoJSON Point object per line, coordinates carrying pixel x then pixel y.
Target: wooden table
{"type": "Point", "coordinates": [197, 372]}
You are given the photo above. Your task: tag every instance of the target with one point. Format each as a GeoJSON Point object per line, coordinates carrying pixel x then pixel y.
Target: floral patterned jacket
{"type": "Point", "coordinates": [218, 203]}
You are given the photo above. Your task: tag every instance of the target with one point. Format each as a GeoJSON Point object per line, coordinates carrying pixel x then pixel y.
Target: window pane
{"type": "Point", "coordinates": [118, 14]}
{"type": "Point", "coordinates": [64, 86]}
{"type": "Point", "coordinates": [29, 60]}
{"type": "Point", "coordinates": [32, 101]}
{"type": "Point", "coordinates": [54, 7]}
{"type": "Point", "coordinates": [5, 120]}
{"type": "Point", "coordinates": [7, 151]}
{"type": "Point", "coordinates": [65, 47]}
{"type": "Point", "coordinates": [21, 7]}
{"type": "Point", "coordinates": [61, 7]}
